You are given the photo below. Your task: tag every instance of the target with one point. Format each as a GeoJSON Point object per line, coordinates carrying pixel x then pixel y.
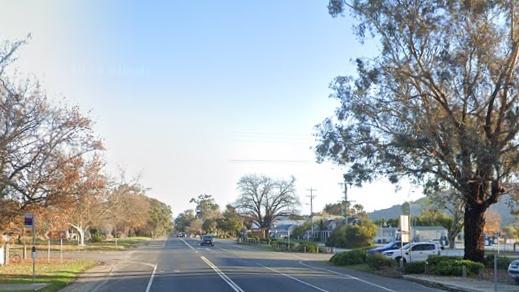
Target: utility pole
{"type": "Point", "coordinates": [346, 202]}
{"type": "Point", "coordinates": [312, 196]}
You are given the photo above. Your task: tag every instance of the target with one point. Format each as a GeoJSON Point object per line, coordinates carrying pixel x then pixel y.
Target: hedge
{"type": "Point", "coordinates": [378, 261]}
{"type": "Point", "coordinates": [353, 257]}
{"type": "Point", "coordinates": [414, 268]}
{"type": "Point", "coordinates": [454, 267]}
{"type": "Point", "coordinates": [502, 262]}
{"type": "Point", "coordinates": [307, 246]}
{"type": "Point", "coordinates": [434, 260]}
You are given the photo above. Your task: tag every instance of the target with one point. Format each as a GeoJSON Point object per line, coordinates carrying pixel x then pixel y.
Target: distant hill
{"type": "Point", "coordinates": [502, 208]}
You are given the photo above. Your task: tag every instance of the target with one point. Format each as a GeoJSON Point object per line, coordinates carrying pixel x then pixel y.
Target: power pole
{"type": "Point", "coordinates": [312, 196]}
{"type": "Point", "coordinates": [346, 203]}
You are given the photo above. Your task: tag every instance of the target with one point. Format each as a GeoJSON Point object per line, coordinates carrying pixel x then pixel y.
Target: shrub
{"type": "Point", "coordinates": [502, 262]}
{"type": "Point", "coordinates": [454, 267]}
{"type": "Point", "coordinates": [353, 236]}
{"type": "Point", "coordinates": [354, 257]}
{"type": "Point", "coordinates": [434, 260]}
{"type": "Point", "coordinates": [378, 261]}
{"type": "Point", "coordinates": [307, 246]}
{"type": "Point", "coordinates": [414, 268]}
{"type": "Point", "coordinates": [96, 237]}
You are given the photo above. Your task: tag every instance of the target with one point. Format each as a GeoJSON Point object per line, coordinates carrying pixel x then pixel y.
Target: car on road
{"type": "Point", "coordinates": [414, 252]}
{"type": "Point", "coordinates": [181, 234]}
{"type": "Point", "coordinates": [389, 246]}
{"type": "Point", "coordinates": [513, 270]}
{"type": "Point", "coordinates": [207, 240]}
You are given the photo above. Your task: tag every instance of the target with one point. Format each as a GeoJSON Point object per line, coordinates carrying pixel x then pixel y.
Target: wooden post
{"type": "Point", "coordinates": [48, 251]}
{"type": "Point", "coordinates": [61, 250]}
{"type": "Point", "coordinates": [7, 254]}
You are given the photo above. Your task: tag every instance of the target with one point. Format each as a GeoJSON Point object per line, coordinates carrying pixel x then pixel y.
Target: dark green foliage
{"type": "Point", "coordinates": [437, 105]}
{"type": "Point", "coordinates": [300, 230]}
{"type": "Point", "coordinates": [414, 268]}
{"type": "Point", "coordinates": [502, 262]}
{"type": "Point", "coordinates": [434, 260]}
{"type": "Point", "coordinates": [307, 246]}
{"type": "Point", "coordinates": [448, 266]}
{"type": "Point", "coordinates": [353, 236]}
{"type": "Point", "coordinates": [354, 257]}
{"type": "Point", "coordinates": [160, 218]}
{"type": "Point", "coordinates": [95, 236]}
{"type": "Point", "coordinates": [378, 261]}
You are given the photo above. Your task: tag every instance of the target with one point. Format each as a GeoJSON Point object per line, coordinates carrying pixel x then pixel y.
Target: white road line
{"type": "Point", "coordinates": [295, 279]}
{"type": "Point", "coordinates": [151, 279]}
{"type": "Point", "coordinates": [224, 277]}
{"type": "Point", "coordinates": [349, 277]}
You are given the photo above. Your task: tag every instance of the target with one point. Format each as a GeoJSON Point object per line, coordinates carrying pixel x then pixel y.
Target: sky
{"type": "Point", "coordinates": [189, 96]}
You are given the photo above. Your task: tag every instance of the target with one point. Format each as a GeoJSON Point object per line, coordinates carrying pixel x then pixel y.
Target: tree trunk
{"type": "Point", "coordinates": [81, 233]}
{"type": "Point", "coordinates": [473, 229]}
{"type": "Point", "coordinates": [452, 241]}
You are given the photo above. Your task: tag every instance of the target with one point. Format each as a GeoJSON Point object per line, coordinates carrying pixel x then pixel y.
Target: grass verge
{"type": "Point", "coordinates": [105, 245]}
{"type": "Point", "coordinates": [57, 275]}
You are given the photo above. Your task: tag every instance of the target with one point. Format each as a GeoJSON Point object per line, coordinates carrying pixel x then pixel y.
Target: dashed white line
{"type": "Point", "coordinates": [222, 275]}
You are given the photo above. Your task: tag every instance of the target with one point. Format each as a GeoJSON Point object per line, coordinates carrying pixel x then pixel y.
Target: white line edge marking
{"type": "Point", "coordinates": [224, 277]}
{"type": "Point", "coordinates": [295, 279]}
{"type": "Point", "coordinates": [151, 279]}
{"type": "Point", "coordinates": [349, 276]}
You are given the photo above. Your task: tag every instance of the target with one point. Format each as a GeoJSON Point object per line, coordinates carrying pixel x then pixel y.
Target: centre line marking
{"type": "Point", "coordinates": [222, 275]}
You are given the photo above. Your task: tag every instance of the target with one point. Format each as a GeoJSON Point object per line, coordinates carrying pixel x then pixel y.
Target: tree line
{"type": "Point", "coordinates": [261, 201]}
{"type": "Point", "coordinates": [51, 165]}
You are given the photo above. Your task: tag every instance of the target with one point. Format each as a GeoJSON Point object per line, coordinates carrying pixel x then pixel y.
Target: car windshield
{"type": "Point", "coordinates": [407, 246]}
{"type": "Point", "coordinates": [390, 245]}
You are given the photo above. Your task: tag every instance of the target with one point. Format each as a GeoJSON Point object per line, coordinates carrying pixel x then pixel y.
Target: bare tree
{"type": "Point", "coordinates": [263, 199]}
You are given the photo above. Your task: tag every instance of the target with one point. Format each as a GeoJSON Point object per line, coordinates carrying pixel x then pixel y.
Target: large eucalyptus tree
{"type": "Point", "coordinates": [438, 105]}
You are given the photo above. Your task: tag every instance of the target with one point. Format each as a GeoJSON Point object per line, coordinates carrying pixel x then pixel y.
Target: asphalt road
{"type": "Point", "coordinates": [183, 265]}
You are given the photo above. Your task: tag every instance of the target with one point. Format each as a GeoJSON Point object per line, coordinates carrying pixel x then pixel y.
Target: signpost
{"type": "Point", "coordinates": [29, 223]}
{"type": "Point", "coordinates": [404, 235]}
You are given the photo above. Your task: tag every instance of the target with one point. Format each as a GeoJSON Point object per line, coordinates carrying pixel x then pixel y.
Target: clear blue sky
{"type": "Point", "coordinates": [191, 94]}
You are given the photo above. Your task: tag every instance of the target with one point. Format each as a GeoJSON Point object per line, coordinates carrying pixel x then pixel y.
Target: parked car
{"type": "Point", "coordinates": [207, 240]}
{"type": "Point", "coordinates": [513, 270]}
{"type": "Point", "coordinates": [389, 246]}
{"type": "Point", "coordinates": [181, 234]}
{"type": "Point", "coordinates": [414, 252]}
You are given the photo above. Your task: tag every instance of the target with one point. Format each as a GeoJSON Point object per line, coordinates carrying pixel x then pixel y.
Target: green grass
{"type": "Point", "coordinates": [56, 274]}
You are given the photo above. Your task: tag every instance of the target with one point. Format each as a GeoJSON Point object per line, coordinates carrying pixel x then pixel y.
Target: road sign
{"type": "Point", "coordinates": [28, 220]}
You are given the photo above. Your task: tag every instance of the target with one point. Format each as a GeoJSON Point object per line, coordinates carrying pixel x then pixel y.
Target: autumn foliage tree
{"type": "Point", "coordinates": [437, 105]}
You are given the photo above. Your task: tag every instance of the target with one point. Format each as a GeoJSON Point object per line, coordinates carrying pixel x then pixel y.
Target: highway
{"type": "Point", "coordinates": [179, 264]}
